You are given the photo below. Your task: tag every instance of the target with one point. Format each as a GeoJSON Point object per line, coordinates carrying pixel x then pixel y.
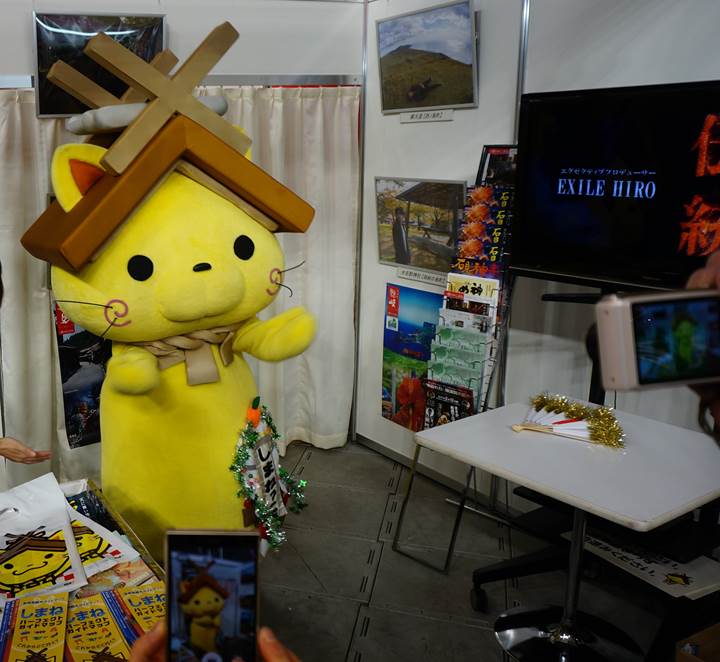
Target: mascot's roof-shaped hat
{"type": "Point", "coordinates": [173, 131]}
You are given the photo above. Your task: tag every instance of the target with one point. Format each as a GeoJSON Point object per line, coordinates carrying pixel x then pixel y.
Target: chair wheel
{"type": "Point", "coordinates": [478, 599]}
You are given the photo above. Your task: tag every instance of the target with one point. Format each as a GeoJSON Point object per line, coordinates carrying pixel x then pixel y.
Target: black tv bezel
{"type": "Point", "coordinates": [540, 269]}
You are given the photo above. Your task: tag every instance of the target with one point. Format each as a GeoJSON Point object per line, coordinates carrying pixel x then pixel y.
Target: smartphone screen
{"type": "Point", "coordinates": [677, 340]}
{"type": "Point", "coordinates": [212, 597]}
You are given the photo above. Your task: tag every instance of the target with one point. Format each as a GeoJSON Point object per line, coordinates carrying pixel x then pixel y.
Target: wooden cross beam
{"type": "Point", "coordinates": [92, 95]}
{"type": "Point", "coordinates": [170, 95]}
{"type": "Point", "coordinates": [164, 62]}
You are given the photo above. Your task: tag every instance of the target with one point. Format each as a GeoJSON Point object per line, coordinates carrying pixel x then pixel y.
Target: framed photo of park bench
{"type": "Point", "coordinates": [418, 220]}
{"type": "Point", "coordinates": [428, 59]}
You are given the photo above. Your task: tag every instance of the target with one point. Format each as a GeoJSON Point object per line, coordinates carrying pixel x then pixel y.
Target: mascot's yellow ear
{"type": "Point", "coordinates": [75, 168]}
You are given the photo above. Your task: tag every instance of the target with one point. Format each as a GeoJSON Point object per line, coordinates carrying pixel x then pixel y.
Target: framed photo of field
{"type": "Point", "coordinates": [428, 59]}
{"type": "Point", "coordinates": [418, 220]}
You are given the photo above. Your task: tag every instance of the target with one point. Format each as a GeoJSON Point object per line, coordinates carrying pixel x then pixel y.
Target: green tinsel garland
{"type": "Point", "coordinates": [268, 524]}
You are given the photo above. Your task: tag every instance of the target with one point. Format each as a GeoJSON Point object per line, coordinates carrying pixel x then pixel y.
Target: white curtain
{"type": "Point", "coordinates": [305, 137]}
{"type": "Point", "coordinates": [32, 398]}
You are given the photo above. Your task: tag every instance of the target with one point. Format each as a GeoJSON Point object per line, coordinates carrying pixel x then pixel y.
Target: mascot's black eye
{"type": "Point", "coordinates": [244, 247]}
{"type": "Point", "coordinates": [8, 566]}
{"type": "Point", "coordinates": [48, 556]}
{"type": "Point", "coordinates": [140, 267]}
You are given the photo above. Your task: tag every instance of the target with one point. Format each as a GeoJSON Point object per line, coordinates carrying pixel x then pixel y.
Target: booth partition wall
{"type": "Point", "coordinates": [304, 82]}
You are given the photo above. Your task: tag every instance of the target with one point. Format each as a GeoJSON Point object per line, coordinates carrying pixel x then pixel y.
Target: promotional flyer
{"type": "Point", "coordinates": [411, 318]}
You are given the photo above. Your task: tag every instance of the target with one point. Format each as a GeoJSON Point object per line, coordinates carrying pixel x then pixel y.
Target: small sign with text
{"type": "Point", "coordinates": [427, 116]}
{"type": "Point", "coordinates": [427, 277]}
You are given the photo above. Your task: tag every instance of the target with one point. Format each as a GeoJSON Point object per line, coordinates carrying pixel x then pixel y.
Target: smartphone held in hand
{"type": "Point", "coordinates": [659, 339]}
{"type": "Point", "coordinates": [212, 596]}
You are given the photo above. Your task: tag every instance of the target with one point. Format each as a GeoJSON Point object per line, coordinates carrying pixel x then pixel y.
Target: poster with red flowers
{"type": "Point", "coordinates": [411, 317]}
{"type": "Point", "coordinates": [482, 240]}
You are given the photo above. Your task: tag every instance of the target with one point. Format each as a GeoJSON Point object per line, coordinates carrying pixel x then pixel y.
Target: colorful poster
{"type": "Point", "coordinates": [411, 318]}
{"type": "Point", "coordinates": [446, 403]}
{"type": "Point", "coordinates": [482, 240]}
{"type": "Point", "coordinates": [82, 370]}
{"type": "Point", "coordinates": [34, 629]}
{"type": "Point", "coordinates": [146, 604]}
{"type": "Point", "coordinates": [98, 630]}
{"type": "Point", "coordinates": [472, 294]}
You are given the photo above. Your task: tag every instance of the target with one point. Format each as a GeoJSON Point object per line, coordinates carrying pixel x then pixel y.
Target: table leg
{"type": "Point", "coordinates": [406, 497]}
{"type": "Point", "coordinates": [458, 518]}
{"type": "Point", "coordinates": [564, 634]}
{"type": "Point", "coordinates": [572, 589]}
{"type": "Point", "coordinates": [456, 526]}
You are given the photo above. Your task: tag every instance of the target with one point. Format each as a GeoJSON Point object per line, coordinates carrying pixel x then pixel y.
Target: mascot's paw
{"type": "Point", "coordinates": [293, 331]}
{"type": "Point", "coordinates": [133, 371]}
{"type": "Point", "coordinates": [281, 337]}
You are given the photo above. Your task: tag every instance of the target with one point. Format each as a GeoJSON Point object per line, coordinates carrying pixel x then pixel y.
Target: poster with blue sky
{"type": "Point", "coordinates": [411, 318]}
{"type": "Point", "coordinates": [427, 59]}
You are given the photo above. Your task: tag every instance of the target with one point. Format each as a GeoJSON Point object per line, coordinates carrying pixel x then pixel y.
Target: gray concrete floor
{"type": "Point", "coordinates": [336, 591]}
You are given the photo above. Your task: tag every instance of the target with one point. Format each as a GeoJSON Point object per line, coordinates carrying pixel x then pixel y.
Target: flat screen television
{"type": "Point", "coordinates": [618, 187]}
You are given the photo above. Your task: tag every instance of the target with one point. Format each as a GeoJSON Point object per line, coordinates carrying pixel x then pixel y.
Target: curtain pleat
{"type": "Point", "coordinates": [32, 396]}
{"type": "Point", "coordinates": [307, 138]}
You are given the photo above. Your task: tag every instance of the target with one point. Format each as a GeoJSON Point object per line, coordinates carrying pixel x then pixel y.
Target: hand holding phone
{"type": "Point", "coordinates": [659, 339]}
{"type": "Point", "coordinates": [212, 596]}
{"type": "Point", "coordinates": [152, 646]}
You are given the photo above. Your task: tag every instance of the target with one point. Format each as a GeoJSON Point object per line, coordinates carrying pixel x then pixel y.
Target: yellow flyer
{"type": "Point", "coordinates": [146, 604]}
{"type": "Point", "coordinates": [94, 630]}
{"type": "Point", "coordinates": [474, 288]}
{"type": "Point", "coordinates": [37, 628]}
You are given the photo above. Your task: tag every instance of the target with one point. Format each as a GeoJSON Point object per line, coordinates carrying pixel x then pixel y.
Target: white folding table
{"type": "Point", "coordinates": [663, 472]}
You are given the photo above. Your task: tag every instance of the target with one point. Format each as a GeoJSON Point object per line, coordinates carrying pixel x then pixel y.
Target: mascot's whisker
{"type": "Point", "coordinates": [283, 271]}
{"type": "Point", "coordinates": [286, 287]}
{"type": "Point", "coordinates": [110, 326]}
{"type": "Point", "coordinates": [297, 266]}
{"type": "Point", "coordinates": [84, 303]}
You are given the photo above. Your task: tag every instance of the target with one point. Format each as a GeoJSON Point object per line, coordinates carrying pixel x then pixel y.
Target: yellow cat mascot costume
{"type": "Point", "coordinates": [187, 266]}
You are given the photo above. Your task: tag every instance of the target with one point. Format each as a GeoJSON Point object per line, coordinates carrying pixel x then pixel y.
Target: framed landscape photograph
{"type": "Point", "coordinates": [428, 59]}
{"type": "Point", "coordinates": [64, 36]}
{"type": "Point", "coordinates": [418, 221]}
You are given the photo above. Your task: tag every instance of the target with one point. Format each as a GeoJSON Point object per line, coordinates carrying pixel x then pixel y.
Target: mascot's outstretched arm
{"type": "Point", "coordinates": [132, 370]}
{"type": "Point", "coordinates": [279, 338]}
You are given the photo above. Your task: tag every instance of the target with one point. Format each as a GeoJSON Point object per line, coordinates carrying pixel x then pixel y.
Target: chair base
{"type": "Point", "coordinates": [537, 635]}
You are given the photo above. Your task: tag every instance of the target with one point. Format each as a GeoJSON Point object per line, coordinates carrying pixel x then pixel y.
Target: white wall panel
{"type": "Point", "coordinates": [442, 150]}
{"type": "Point", "coordinates": [578, 44]}
{"type": "Point", "coordinates": [276, 36]}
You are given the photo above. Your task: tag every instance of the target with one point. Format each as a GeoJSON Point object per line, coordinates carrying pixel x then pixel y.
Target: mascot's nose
{"type": "Point", "coordinates": [202, 266]}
